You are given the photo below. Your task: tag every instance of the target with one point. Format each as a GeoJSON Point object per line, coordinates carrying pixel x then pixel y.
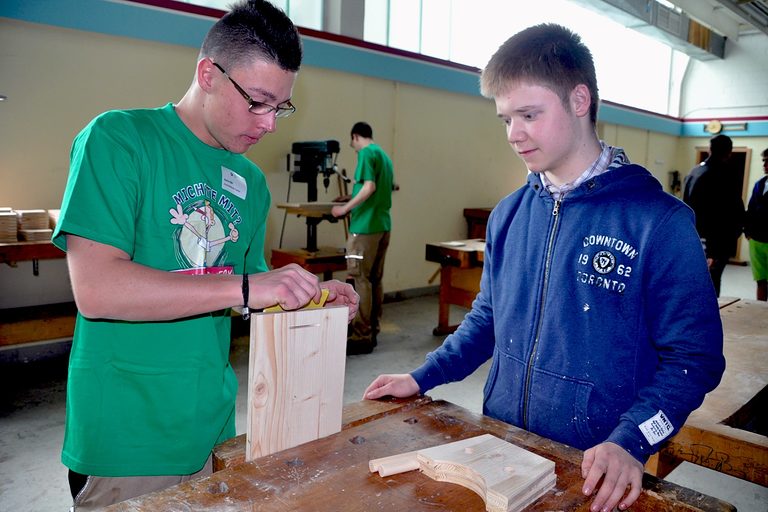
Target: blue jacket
{"type": "Point", "coordinates": [598, 311]}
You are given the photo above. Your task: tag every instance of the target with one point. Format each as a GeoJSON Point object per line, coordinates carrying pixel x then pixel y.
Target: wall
{"type": "Point", "coordinates": [448, 149]}
{"type": "Point", "coordinates": [447, 144]}
{"type": "Point", "coordinates": [731, 87]}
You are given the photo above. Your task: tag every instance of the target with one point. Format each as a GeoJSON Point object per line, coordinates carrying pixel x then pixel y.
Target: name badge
{"type": "Point", "coordinates": [233, 182]}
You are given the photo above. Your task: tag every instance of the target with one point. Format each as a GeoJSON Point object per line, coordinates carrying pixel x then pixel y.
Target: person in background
{"type": "Point", "coordinates": [595, 304]}
{"type": "Point", "coordinates": [163, 220]}
{"type": "Point", "coordinates": [756, 230]}
{"type": "Point", "coordinates": [369, 232]}
{"type": "Point", "coordinates": [709, 190]}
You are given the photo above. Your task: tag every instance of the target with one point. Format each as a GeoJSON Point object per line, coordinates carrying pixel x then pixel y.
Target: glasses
{"type": "Point", "coordinates": [257, 107]}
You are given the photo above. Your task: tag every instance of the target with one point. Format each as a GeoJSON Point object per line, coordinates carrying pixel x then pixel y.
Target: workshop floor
{"type": "Point", "coordinates": [33, 382]}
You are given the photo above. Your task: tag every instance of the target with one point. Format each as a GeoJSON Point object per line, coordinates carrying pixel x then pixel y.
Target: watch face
{"type": "Point", "coordinates": [714, 126]}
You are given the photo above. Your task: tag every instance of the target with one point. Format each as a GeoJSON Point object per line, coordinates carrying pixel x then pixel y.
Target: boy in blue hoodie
{"type": "Point", "coordinates": [595, 302]}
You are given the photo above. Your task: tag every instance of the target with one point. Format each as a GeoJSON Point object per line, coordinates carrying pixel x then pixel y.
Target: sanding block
{"type": "Point", "coordinates": [312, 304]}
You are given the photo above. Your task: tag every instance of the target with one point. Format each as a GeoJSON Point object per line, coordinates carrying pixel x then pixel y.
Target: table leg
{"type": "Point", "coordinates": [444, 309]}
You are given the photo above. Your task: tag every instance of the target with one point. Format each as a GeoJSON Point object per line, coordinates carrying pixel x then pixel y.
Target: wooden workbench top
{"type": "Point", "coordinates": [745, 347]}
{"type": "Point", "coordinates": [332, 473]}
{"type": "Point", "coordinates": [728, 432]}
{"type": "Point", "coordinates": [457, 253]}
{"type": "Point", "coordinates": [309, 209]}
{"type": "Point", "coordinates": [24, 251]}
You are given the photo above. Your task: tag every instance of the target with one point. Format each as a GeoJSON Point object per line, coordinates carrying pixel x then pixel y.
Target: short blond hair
{"type": "Point", "coordinates": [549, 55]}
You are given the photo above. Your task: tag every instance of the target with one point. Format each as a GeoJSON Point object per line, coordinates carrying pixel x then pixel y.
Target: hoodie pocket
{"type": "Point", "coordinates": [503, 389]}
{"type": "Point", "coordinates": [558, 408]}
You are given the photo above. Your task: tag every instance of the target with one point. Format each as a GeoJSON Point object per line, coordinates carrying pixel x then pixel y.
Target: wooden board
{"type": "Point", "coordinates": [505, 476]}
{"type": "Point", "coordinates": [309, 209]}
{"type": "Point", "coordinates": [295, 378]}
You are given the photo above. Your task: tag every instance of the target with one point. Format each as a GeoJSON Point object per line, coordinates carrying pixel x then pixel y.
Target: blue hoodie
{"type": "Point", "coordinates": [598, 311]}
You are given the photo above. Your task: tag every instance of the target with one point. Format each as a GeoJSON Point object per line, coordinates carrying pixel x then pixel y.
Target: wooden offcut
{"type": "Point", "coordinates": [504, 475]}
{"type": "Point", "coordinates": [295, 378]}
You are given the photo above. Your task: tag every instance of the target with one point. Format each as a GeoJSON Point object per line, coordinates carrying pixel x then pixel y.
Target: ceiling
{"type": "Point", "coordinates": [730, 18]}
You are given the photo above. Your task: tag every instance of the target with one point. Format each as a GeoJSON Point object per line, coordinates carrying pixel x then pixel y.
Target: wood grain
{"type": "Point", "coordinates": [505, 476]}
{"type": "Point", "coordinates": [331, 473]}
{"type": "Point", "coordinates": [295, 378]}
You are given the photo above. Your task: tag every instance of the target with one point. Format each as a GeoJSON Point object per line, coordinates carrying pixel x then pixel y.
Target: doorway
{"type": "Point", "coordinates": [740, 158]}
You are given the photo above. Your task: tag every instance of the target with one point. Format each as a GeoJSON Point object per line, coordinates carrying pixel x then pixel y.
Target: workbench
{"type": "Point", "coordinates": [318, 260]}
{"type": "Point", "coordinates": [34, 323]}
{"type": "Point", "coordinates": [461, 266]}
{"type": "Point", "coordinates": [729, 432]}
{"type": "Point", "coordinates": [332, 473]}
{"type": "Point", "coordinates": [325, 260]}
{"type": "Point", "coordinates": [12, 253]}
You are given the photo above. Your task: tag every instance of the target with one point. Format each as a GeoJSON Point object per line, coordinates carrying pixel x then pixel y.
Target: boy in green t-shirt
{"type": "Point", "coordinates": [369, 228]}
{"type": "Point", "coordinates": [163, 220]}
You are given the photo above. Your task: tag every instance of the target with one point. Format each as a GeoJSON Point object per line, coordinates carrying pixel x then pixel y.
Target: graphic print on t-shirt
{"type": "Point", "coordinates": [201, 235]}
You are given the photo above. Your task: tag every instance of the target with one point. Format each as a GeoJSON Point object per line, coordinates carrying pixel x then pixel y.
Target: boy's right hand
{"type": "Point", "coordinates": [291, 287]}
{"type": "Point", "coordinates": [400, 385]}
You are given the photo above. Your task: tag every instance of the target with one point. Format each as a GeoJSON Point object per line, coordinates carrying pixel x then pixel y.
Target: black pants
{"type": "Point", "coordinates": [76, 482]}
{"type": "Point", "coordinates": [716, 272]}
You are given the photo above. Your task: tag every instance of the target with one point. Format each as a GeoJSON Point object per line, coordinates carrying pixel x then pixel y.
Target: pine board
{"type": "Point", "coordinates": [295, 378]}
{"type": "Point", "coordinates": [507, 477]}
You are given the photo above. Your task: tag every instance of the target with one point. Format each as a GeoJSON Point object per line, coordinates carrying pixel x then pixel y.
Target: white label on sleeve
{"type": "Point", "coordinates": [656, 428]}
{"type": "Point", "coordinates": [233, 182]}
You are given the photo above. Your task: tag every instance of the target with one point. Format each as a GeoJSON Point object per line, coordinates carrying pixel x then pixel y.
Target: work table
{"type": "Point", "coordinates": [332, 473]}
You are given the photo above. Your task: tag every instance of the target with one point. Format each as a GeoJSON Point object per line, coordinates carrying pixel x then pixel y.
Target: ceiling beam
{"type": "Point", "coordinates": [751, 14]}
{"type": "Point", "coordinates": [715, 18]}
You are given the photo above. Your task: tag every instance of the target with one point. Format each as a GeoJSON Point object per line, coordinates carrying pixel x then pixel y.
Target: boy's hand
{"type": "Point", "coordinates": [400, 385]}
{"type": "Point", "coordinates": [618, 469]}
{"type": "Point", "coordinates": [342, 294]}
{"type": "Point", "coordinates": [291, 287]}
{"type": "Point", "coordinates": [338, 211]}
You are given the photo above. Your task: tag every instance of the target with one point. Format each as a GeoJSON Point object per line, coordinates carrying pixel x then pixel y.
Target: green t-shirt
{"type": "Point", "coordinates": [153, 398]}
{"type": "Point", "coordinates": [372, 215]}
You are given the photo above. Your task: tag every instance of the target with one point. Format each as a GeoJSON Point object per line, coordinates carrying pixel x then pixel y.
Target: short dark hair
{"type": "Point", "coordinates": [362, 129]}
{"type": "Point", "coordinates": [720, 146]}
{"type": "Point", "coordinates": [254, 29]}
{"type": "Point", "coordinates": [547, 54]}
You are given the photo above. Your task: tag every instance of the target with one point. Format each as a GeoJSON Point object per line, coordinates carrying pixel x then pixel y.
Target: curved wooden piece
{"type": "Point", "coordinates": [506, 476]}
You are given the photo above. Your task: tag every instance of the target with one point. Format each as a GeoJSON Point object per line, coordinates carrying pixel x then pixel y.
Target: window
{"type": "Point", "coordinates": [632, 68]}
{"type": "Point", "coordinates": [305, 13]}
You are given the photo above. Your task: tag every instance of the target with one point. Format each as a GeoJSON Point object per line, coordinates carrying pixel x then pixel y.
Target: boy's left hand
{"type": "Point", "coordinates": [618, 469]}
{"type": "Point", "coordinates": [342, 294]}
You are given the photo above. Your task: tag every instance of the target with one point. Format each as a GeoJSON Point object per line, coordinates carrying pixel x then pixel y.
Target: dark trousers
{"type": "Point", "coordinates": [716, 272]}
{"type": "Point", "coordinates": [365, 268]}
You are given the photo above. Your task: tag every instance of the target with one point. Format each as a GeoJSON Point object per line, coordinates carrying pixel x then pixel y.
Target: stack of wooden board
{"type": "Point", "coordinates": [53, 218]}
{"type": "Point", "coordinates": [506, 476]}
{"type": "Point", "coordinates": [8, 226]}
{"type": "Point", "coordinates": [33, 225]}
